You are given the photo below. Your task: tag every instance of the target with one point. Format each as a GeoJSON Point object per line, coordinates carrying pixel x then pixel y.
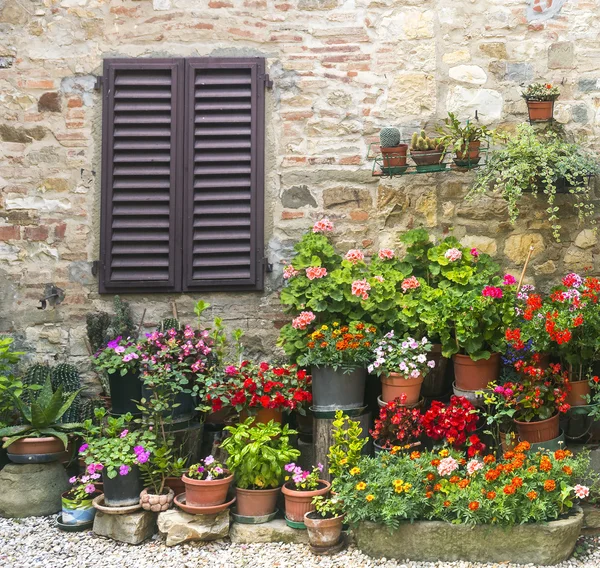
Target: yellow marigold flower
{"type": "Point", "coordinates": [324, 328]}
{"type": "Point", "coordinates": [355, 471]}
{"type": "Point", "coordinates": [361, 486]}
{"type": "Point", "coordinates": [407, 486]}
{"type": "Point", "coordinates": [344, 461]}
{"type": "Point", "coordinates": [395, 450]}
{"type": "Point", "coordinates": [444, 453]}
{"type": "Point", "coordinates": [335, 324]}
{"type": "Point", "coordinates": [370, 498]}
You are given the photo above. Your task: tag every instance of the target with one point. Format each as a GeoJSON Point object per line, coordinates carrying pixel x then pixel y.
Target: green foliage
{"type": "Point", "coordinates": [10, 386]}
{"type": "Point", "coordinates": [458, 137]}
{"type": "Point", "coordinates": [421, 142]}
{"type": "Point", "coordinates": [258, 453]}
{"type": "Point", "coordinates": [328, 507]}
{"type": "Point", "coordinates": [347, 445]}
{"type": "Point", "coordinates": [41, 417]}
{"type": "Point", "coordinates": [67, 376]}
{"type": "Point", "coordinates": [536, 162]}
{"type": "Point", "coordinates": [541, 92]}
{"type": "Point", "coordinates": [97, 324]}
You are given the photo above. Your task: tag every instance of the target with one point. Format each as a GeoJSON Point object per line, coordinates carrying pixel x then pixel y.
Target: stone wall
{"type": "Point", "coordinates": [341, 70]}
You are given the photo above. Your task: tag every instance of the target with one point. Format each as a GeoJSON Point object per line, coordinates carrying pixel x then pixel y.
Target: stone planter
{"type": "Point", "coordinates": [539, 544]}
{"type": "Point", "coordinates": [156, 503]}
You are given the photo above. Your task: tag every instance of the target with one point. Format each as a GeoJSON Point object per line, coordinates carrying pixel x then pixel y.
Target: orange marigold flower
{"type": "Point", "coordinates": [532, 469]}
{"type": "Point", "coordinates": [430, 477]}
{"type": "Point", "coordinates": [549, 485]}
{"type": "Point", "coordinates": [435, 462]}
{"type": "Point", "coordinates": [447, 503]}
{"type": "Point", "coordinates": [311, 344]}
{"type": "Point", "coordinates": [517, 482]}
{"type": "Point", "coordinates": [560, 455]}
{"type": "Point", "coordinates": [323, 344]}
{"type": "Point", "coordinates": [545, 464]}
{"type": "Point", "coordinates": [428, 494]}
{"type": "Point", "coordinates": [463, 483]}
{"type": "Point", "coordinates": [509, 455]}
{"type": "Point", "coordinates": [474, 505]}
{"type": "Point", "coordinates": [568, 470]}
{"type": "Point", "coordinates": [523, 447]}
{"type": "Point", "coordinates": [415, 455]}
{"type": "Point", "coordinates": [492, 475]}
{"type": "Point", "coordinates": [509, 489]}
{"type": "Point", "coordinates": [454, 479]}
{"type": "Point", "coordinates": [489, 459]}
{"type": "Point", "coordinates": [531, 495]}
{"type": "Point", "coordinates": [437, 487]}
{"type": "Point", "coordinates": [491, 495]}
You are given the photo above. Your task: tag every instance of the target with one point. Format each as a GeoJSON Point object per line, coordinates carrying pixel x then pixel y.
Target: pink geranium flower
{"type": "Point", "coordinates": [361, 288]}
{"type": "Point", "coordinates": [386, 254]}
{"type": "Point", "coordinates": [354, 256]}
{"type": "Point", "coordinates": [410, 284]}
{"type": "Point", "coordinates": [509, 280]}
{"type": "Point", "coordinates": [289, 272]}
{"type": "Point", "coordinates": [492, 292]}
{"type": "Point", "coordinates": [303, 320]}
{"type": "Point", "coordinates": [313, 272]}
{"type": "Point", "coordinates": [323, 226]}
{"type": "Point", "coordinates": [453, 254]}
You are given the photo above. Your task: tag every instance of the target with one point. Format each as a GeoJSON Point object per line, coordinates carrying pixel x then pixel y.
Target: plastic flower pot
{"type": "Point", "coordinates": [540, 110]}
{"type": "Point", "coordinates": [336, 390]}
{"type": "Point", "coordinates": [124, 390]}
{"type": "Point", "coordinates": [123, 490]}
{"type": "Point", "coordinates": [77, 513]}
{"type": "Point", "coordinates": [578, 393]}
{"type": "Point", "coordinates": [263, 415]}
{"type": "Point", "coordinates": [323, 533]}
{"type": "Point", "coordinates": [298, 503]}
{"type": "Point", "coordinates": [205, 493]}
{"type": "Point", "coordinates": [256, 502]}
{"type": "Point", "coordinates": [475, 375]}
{"type": "Point", "coordinates": [395, 385]}
{"type": "Point", "coordinates": [539, 431]}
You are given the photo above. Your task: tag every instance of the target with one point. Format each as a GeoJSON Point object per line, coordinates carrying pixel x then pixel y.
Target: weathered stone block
{"type": "Point", "coordinates": [486, 102]}
{"type": "Point", "coordinates": [483, 244]}
{"type": "Point", "coordinates": [472, 74]}
{"type": "Point", "coordinates": [133, 528]}
{"type": "Point", "coordinates": [179, 527]}
{"type": "Point", "coordinates": [273, 531]}
{"type": "Point", "coordinates": [298, 196]}
{"type": "Point", "coordinates": [586, 239]}
{"type": "Point", "coordinates": [589, 85]}
{"type": "Point", "coordinates": [22, 135]}
{"type": "Point", "coordinates": [519, 72]}
{"type": "Point", "coordinates": [32, 490]}
{"type": "Point", "coordinates": [49, 102]}
{"type": "Point", "coordinates": [495, 49]}
{"type": "Point", "coordinates": [561, 55]}
{"type": "Point", "coordinates": [591, 516]}
{"type": "Point", "coordinates": [517, 246]}
{"type": "Point", "coordinates": [540, 544]}
{"type": "Point", "coordinates": [347, 198]}
{"type": "Point", "coordinates": [577, 259]}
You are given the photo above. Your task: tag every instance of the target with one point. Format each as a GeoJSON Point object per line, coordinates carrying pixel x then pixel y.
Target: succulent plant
{"type": "Point", "coordinates": [168, 323]}
{"type": "Point", "coordinates": [65, 377]}
{"type": "Point", "coordinates": [421, 142]}
{"type": "Point", "coordinates": [97, 325]}
{"type": "Point", "coordinates": [389, 137]}
{"type": "Point", "coordinates": [122, 322]}
{"type": "Point", "coordinates": [37, 374]}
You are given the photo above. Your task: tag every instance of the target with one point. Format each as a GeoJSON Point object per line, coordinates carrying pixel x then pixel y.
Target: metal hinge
{"type": "Point", "coordinates": [268, 265]}
{"type": "Point", "coordinates": [268, 81]}
{"type": "Point", "coordinates": [95, 266]}
{"type": "Point", "coordinates": [98, 85]}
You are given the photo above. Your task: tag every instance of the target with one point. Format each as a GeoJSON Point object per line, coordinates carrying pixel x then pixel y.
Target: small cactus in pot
{"type": "Point", "coordinates": [426, 151]}
{"type": "Point", "coordinates": [393, 152]}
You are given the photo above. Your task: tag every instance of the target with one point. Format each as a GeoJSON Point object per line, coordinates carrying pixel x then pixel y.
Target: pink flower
{"type": "Point", "coordinates": [410, 284]}
{"type": "Point", "coordinates": [379, 278]}
{"type": "Point", "coordinates": [323, 226]}
{"type": "Point", "coordinates": [313, 272]}
{"type": "Point", "coordinates": [73, 479]}
{"type": "Point", "coordinates": [124, 470]}
{"type": "Point", "coordinates": [354, 256]}
{"type": "Point", "coordinates": [447, 466]}
{"type": "Point", "coordinates": [386, 254]}
{"type": "Point", "coordinates": [231, 370]}
{"type": "Point", "coordinates": [303, 320]}
{"type": "Point", "coordinates": [83, 448]}
{"type": "Point", "coordinates": [509, 280]}
{"type": "Point", "coordinates": [473, 466]}
{"type": "Point", "coordinates": [289, 272]}
{"type": "Point", "coordinates": [361, 288]}
{"type": "Point", "coordinates": [124, 433]}
{"type": "Point", "coordinates": [582, 491]}
{"type": "Point", "coordinates": [89, 489]}
{"type": "Point", "coordinates": [453, 254]}
{"type": "Point", "coordinates": [119, 349]}
{"type": "Point", "coordinates": [492, 292]}
{"type": "Point", "coordinates": [474, 252]}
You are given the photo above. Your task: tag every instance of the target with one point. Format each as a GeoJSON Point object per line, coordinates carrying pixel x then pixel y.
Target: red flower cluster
{"type": "Point", "coordinates": [453, 423]}
{"type": "Point", "coordinates": [397, 425]}
{"type": "Point", "coordinates": [264, 385]}
{"type": "Point", "coordinates": [560, 336]}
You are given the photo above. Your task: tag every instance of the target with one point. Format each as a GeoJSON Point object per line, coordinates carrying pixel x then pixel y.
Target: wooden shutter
{"type": "Point", "coordinates": [141, 181]}
{"type": "Point", "coordinates": [224, 174]}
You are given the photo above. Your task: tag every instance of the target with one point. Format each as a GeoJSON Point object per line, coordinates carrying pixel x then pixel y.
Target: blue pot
{"type": "Point", "coordinates": [77, 513]}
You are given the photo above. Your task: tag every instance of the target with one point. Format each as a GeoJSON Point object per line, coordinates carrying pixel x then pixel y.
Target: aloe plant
{"type": "Point", "coordinates": [41, 417]}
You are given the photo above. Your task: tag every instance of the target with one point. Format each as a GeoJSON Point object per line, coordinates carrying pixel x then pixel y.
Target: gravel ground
{"type": "Point", "coordinates": [35, 542]}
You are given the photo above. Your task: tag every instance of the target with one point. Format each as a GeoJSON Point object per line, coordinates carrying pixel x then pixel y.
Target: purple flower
{"type": "Point", "coordinates": [85, 479]}
{"type": "Point", "coordinates": [89, 489]}
{"type": "Point", "coordinates": [218, 470]}
{"type": "Point", "coordinates": [73, 480]}
{"type": "Point", "coordinates": [209, 460]}
{"type": "Point", "coordinates": [290, 467]}
{"type": "Point", "coordinates": [119, 349]}
{"type": "Point", "coordinates": [124, 433]}
{"type": "Point", "coordinates": [83, 448]}
{"type": "Point", "coordinates": [114, 343]}
{"type": "Point", "coordinates": [124, 470]}
{"type": "Point", "coordinates": [320, 466]}
{"type": "Point", "coordinates": [95, 476]}
{"type": "Point", "coordinates": [91, 468]}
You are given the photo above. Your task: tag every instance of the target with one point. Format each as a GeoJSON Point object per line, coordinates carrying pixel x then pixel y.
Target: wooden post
{"type": "Point", "coordinates": [524, 268]}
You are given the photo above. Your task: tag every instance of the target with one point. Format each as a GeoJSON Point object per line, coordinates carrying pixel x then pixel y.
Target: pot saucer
{"type": "Point", "coordinates": [326, 551]}
{"type": "Point", "coordinates": [214, 509]}
{"type": "Point", "coordinates": [73, 528]}
{"type": "Point", "coordinates": [245, 520]}
{"type": "Point", "coordinates": [98, 502]}
{"type": "Point", "coordinates": [35, 458]}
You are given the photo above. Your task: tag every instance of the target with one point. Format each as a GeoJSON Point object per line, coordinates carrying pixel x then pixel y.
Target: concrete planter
{"type": "Point", "coordinates": [431, 541]}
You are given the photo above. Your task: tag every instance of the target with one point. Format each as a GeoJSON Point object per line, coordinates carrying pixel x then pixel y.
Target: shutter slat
{"type": "Point", "coordinates": [223, 157]}
{"type": "Point", "coordinates": [221, 235]}
{"type": "Point", "coordinates": [142, 94]}
{"type": "Point", "coordinates": [238, 93]}
{"type": "Point", "coordinates": [220, 132]}
{"type": "Point", "coordinates": [222, 118]}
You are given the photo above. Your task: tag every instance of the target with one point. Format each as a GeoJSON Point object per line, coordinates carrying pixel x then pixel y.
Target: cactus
{"type": "Point", "coordinates": [67, 377]}
{"type": "Point", "coordinates": [389, 137]}
{"type": "Point", "coordinates": [97, 326]}
{"type": "Point", "coordinates": [122, 322]}
{"type": "Point", "coordinates": [87, 407]}
{"type": "Point", "coordinates": [35, 374]}
{"type": "Point", "coordinates": [168, 323]}
{"type": "Point", "coordinates": [422, 142]}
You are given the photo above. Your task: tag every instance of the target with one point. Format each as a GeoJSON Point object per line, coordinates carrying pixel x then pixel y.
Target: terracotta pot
{"type": "Point", "coordinates": [579, 390]}
{"type": "Point", "coordinates": [471, 153]}
{"type": "Point", "coordinates": [395, 384]}
{"type": "Point", "coordinates": [204, 493]}
{"type": "Point", "coordinates": [540, 431]}
{"type": "Point", "coordinates": [427, 157]}
{"type": "Point", "coordinates": [156, 503]}
{"type": "Point", "coordinates": [256, 502]}
{"type": "Point", "coordinates": [298, 503]}
{"type": "Point", "coordinates": [540, 110]}
{"type": "Point", "coordinates": [323, 533]}
{"type": "Point", "coordinates": [176, 484]}
{"type": "Point", "coordinates": [394, 157]}
{"type": "Point", "coordinates": [263, 415]}
{"type": "Point", "coordinates": [28, 446]}
{"type": "Point", "coordinates": [475, 375]}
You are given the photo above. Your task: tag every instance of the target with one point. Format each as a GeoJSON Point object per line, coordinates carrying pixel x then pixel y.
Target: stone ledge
{"type": "Point", "coordinates": [591, 517]}
{"type": "Point", "coordinates": [273, 531]}
{"type": "Point", "coordinates": [133, 528]}
{"type": "Point", "coordinates": [180, 527]}
{"type": "Point", "coordinates": [433, 541]}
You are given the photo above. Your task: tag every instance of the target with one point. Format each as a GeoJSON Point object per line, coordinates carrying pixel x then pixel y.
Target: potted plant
{"type": "Point", "coordinates": [155, 461]}
{"type": "Point", "coordinates": [534, 161]}
{"type": "Point", "coordinates": [338, 356]}
{"type": "Point", "coordinates": [77, 507]}
{"type": "Point", "coordinates": [41, 437]}
{"type": "Point", "coordinates": [299, 489]}
{"type": "Point", "coordinates": [120, 360]}
{"type": "Point", "coordinates": [465, 140]}
{"type": "Point", "coordinates": [427, 153]}
{"type": "Point", "coordinates": [206, 483]}
{"type": "Point", "coordinates": [324, 524]}
{"type": "Point", "coordinates": [257, 456]}
{"type": "Point", "coordinates": [112, 444]}
{"type": "Point", "coordinates": [397, 427]}
{"type": "Point", "coordinates": [264, 391]}
{"type": "Point", "coordinates": [401, 363]}
{"type": "Point", "coordinates": [499, 416]}
{"type": "Point", "coordinates": [392, 151]}
{"type": "Point", "coordinates": [540, 99]}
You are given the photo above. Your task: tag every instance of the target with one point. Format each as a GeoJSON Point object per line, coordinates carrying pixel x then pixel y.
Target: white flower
{"type": "Point", "coordinates": [431, 364]}
{"type": "Point", "coordinates": [582, 491]}
{"type": "Point", "coordinates": [415, 374]}
{"type": "Point", "coordinates": [473, 466]}
{"type": "Point", "coordinates": [421, 358]}
{"type": "Point", "coordinates": [424, 341]}
{"type": "Point", "coordinates": [447, 466]}
{"type": "Point", "coordinates": [370, 368]}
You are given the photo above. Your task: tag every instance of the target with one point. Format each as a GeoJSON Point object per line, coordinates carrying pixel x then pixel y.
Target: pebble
{"type": "Point", "coordinates": [35, 542]}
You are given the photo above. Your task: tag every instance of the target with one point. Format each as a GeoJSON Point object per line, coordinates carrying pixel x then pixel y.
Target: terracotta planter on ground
{"type": "Point", "coordinates": [298, 503]}
{"type": "Point", "coordinates": [256, 502]}
{"type": "Point", "coordinates": [395, 384]}
{"type": "Point", "coordinates": [156, 503]}
{"type": "Point", "coordinates": [540, 110]}
{"type": "Point", "coordinates": [539, 431]}
{"type": "Point", "coordinates": [263, 415]}
{"type": "Point", "coordinates": [323, 533]}
{"type": "Point", "coordinates": [29, 446]}
{"type": "Point", "coordinates": [204, 493]}
{"type": "Point", "coordinates": [579, 390]}
{"type": "Point", "coordinates": [475, 375]}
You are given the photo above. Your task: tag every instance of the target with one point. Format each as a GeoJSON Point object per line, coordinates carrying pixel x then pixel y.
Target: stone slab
{"type": "Point", "coordinates": [273, 531]}
{"type": "Point", "coordinates": [179, 527]}
{"type": "Point", "coordinates": [133, 528]}
{"type": "Point", "coordinates": [434, 541]}
{"type": "Point", "coordinates": [591, 516]}
{"type": "Point", "coordinates": [32, 490]}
